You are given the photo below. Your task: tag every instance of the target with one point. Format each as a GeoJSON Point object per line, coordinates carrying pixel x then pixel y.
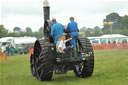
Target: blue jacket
{"type": "Point", "coordinates": [11, 49]}
{"type": "Point", "coordinates": [72, 27]}
{"type": "Point", "coordinates": [56, 31]}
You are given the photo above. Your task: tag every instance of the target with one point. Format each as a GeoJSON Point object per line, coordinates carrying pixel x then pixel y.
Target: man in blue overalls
{"type": "Point", "coordinates": [73, 29]}
{"type": "Point", "coordinates": [57, 30]}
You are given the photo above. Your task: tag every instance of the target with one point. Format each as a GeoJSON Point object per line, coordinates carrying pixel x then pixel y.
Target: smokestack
{"type": "Point", "coordinates": [46, 9]}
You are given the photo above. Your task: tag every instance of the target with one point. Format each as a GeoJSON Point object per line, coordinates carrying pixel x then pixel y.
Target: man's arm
{"type": "Point", "coordinates": [52, 31]}
{"type": "Point", "coordinates": [67, 29]}
{"type": "Point", "coordinates": [68, 39]}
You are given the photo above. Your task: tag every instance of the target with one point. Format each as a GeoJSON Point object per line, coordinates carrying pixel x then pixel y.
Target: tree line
{"type": "Point", "coordinates": [17, 32]}
{"type": "Point", "coordinates": [119, 26]}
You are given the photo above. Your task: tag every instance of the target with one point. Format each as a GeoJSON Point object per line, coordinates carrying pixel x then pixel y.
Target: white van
{"type": "Point", "coordinates": [6, 41]}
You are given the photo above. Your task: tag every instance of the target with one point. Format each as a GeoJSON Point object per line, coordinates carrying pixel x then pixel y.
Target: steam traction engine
{"type": "Point", "coordinates": [45, 60]}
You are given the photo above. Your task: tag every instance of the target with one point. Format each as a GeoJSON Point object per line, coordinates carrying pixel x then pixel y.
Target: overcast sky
{"type": "Point", "coordinates": [88, 13]}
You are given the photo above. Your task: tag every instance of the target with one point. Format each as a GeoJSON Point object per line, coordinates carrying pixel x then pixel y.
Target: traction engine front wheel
{"type": "Point", "coordinates": [44, 61]}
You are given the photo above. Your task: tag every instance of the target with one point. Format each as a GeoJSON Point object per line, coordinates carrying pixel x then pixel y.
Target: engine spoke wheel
{"type": "Point", "coordinates": [32, 65]}
{"type": "Point", "coordinates": [44, 61]}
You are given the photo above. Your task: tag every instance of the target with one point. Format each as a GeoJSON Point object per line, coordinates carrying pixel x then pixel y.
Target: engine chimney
{"type": "Point", "coordinates": [46, 8]}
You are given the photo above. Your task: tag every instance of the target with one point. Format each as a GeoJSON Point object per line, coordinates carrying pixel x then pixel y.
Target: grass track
{"type": "Point", "coordinates": [111, 68]}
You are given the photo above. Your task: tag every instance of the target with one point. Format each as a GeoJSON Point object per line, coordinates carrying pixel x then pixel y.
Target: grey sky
{"type": "Point", "coordinates": [29, 13]}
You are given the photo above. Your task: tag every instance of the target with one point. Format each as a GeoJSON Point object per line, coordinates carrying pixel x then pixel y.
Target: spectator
{"type": "Point", "coordinates": [25, 49]}
{"type": "Point", "coordinates": [7, 50]}
{"type": "Point", "coordinates": [12, 50]}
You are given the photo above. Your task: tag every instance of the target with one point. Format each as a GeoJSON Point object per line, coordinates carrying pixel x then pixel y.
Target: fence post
{"type": "Point", "coordinates": [1, 56]}
{"type": "Point", "coordinates": [5, 56]}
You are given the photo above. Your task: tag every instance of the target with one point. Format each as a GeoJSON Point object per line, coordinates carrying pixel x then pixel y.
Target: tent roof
{"type": "Point", "coordinates": [19, 40]}
{"type": "Point", "coordinates": [24, 40]}
{"type": "Point", "coordinates": [108, 36]}
{"type": "Point", "coordinates": [113, 36]}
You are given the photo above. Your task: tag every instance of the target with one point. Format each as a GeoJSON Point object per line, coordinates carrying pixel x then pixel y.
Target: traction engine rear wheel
{"type": "Point", "coordinates": [85, 69]}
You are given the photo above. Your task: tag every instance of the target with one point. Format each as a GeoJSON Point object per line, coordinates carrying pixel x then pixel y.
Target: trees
{"type": "Point", "coordinates": [112, 17]}
{"type": "Point", "coordinates": [97, 31]}
{"type": "Point", "coordinates": [28, 29]}
{"type": "Point", "coordinates": [16, 29]}
{"type": "Point", "coordinates": [119, 24]}
{"type": "Point", "coordinates": [124, 22]}
{"type": "Point", "coordinates": [115, 28]}
{"type": "Point", "coordinates": [115, 19]}
{"type": "Point", "coordinates": [124, 25]}
{"type": "Point", "coordinates": [83, 29]}
{"type": "Point", "coordinates": [40, 33]}
{"type": "Point", "coordinates": [17, 32]}
{"type": "Point", "coordinates": [3, 31]}
{"type": "Point", "coordinates": [88, 32]}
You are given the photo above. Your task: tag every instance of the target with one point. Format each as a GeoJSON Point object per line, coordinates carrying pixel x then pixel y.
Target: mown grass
{"type": "Point", "coordinates": [111, 68]}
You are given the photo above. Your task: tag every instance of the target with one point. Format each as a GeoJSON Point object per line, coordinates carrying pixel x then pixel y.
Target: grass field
{"type": "Point", "coordinates": [111, 68]}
